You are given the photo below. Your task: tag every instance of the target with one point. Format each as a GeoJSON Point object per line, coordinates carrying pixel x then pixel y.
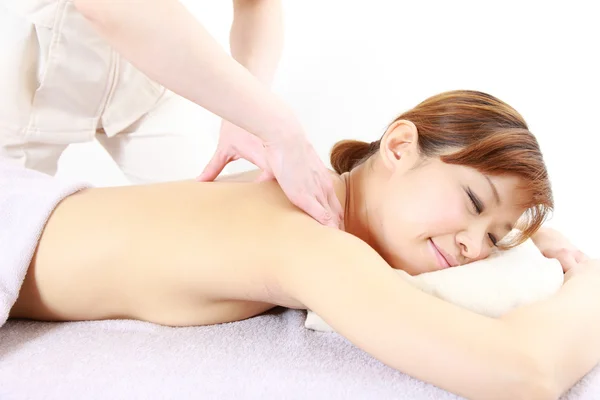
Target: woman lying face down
{"type": "Point", "coordinates": [443, 187]}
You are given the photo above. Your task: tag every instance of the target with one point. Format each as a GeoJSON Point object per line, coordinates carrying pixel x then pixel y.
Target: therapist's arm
{"type": "Point", "coordinates": [163, 40]}
{"type": "Point", "coordinates": [256, 36]}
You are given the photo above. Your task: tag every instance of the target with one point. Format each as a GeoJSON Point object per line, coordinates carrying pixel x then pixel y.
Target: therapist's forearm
{"type": "Point", "coordinates": [163, 40]}
{"type": "Point", "coordinates": [256, 36]}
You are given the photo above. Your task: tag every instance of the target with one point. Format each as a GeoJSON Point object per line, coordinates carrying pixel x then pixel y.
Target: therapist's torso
{"type": "Point", "coordinates": [60, 81]}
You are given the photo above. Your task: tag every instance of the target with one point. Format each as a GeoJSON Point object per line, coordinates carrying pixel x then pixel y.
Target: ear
{"type": "Point", "coordinates": [399, 144]}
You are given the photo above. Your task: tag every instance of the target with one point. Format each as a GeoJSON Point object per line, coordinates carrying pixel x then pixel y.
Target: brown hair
{"type": "Point", "coordinates": [492, 137]}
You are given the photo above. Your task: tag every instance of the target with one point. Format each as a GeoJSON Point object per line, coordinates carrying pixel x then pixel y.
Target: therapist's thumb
{"type": "Point", "coordinates": [214, 167]}
{"type": "Point", "coordinates": [266, 175]}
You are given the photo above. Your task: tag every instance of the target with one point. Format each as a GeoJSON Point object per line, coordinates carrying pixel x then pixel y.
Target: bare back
{"type": "Point", "coordinates": [181, 253]}
{"type": "Point", "coordinates": [187, 253]}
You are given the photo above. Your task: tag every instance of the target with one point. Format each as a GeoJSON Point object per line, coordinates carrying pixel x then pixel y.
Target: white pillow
{"type": "Point", "coordinates": [491, 287]}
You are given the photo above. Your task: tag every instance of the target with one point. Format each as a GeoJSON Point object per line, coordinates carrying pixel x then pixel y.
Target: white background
{"type": "Point", "coordinates": [349, 67]}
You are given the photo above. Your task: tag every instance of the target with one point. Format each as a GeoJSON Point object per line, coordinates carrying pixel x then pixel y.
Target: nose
{"type": "Point", "coordinates": [470, 245]}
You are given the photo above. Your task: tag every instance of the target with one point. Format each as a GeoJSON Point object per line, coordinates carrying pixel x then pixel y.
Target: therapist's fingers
{"type": "Point", "coordinates": [314, 208]}
{"type": "Point", "coordinates": [234, 143]}
{"type": "Point", "coordinates": [336, 207]}
{"type": "Point", "coordinates": [266, 175]}
{"type": "Point", "coordinates": [327, 198]}
{"type": "Point", "coordinates": [215, 166]}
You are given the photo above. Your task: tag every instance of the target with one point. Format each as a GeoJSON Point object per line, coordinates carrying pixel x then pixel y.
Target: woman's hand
{"type": "Point", "coordinates": [292, 161]}
{"type": "Point", "coordinates": [573, 267]}
{"type": "Point", "coordinates": [553, 244]}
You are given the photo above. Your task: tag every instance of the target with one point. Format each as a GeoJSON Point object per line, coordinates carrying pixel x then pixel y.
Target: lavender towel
{"type": "Point", "coordinates": [272, 356]}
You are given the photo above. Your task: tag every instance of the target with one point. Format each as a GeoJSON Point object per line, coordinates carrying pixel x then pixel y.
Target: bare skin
{"type": "Point", "coordinates": [189, 253]}
{"type": "Point", "coordinates": [137, 270]}
{"type": "Point", "coordinates": [194, 262]}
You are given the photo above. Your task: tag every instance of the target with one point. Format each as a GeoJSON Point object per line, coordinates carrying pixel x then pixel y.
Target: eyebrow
{"type": "Point", "coordinates": [494, 190]}
{"type": "Point", "coordinates": [508, 226]}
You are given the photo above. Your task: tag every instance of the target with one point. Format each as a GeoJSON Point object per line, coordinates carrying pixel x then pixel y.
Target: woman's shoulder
{"type": "Point", "coordinates": [253, 175]}
{"type": "Point", "coordinates": [269, 194]}
{"type": "Point", "coordinates": [244, 176]}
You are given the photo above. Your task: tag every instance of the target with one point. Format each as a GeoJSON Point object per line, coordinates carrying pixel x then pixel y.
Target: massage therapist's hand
{"type": "Point", "coordinates": [553, 244]}
{"type": "Point", "coordinates": [291, 160]}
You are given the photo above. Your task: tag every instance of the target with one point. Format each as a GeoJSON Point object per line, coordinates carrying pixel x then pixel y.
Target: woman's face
{"type": "Point", "coordinates": [430, 215]}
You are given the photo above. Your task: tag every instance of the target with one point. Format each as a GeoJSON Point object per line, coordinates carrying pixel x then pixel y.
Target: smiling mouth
{"type": "Point", "coordinates": [443, 262]}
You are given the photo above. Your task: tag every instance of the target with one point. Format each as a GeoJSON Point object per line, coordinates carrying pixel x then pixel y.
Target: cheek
{"type": "Point", "coordinates": [449, 216]}
{"type": "Point", "coordinates": [428, 211]}
{"type": "Point", "coordinates": [418, 208]}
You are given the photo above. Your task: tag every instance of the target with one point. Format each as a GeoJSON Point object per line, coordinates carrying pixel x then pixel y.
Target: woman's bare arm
{"type": "Point", "coordinates": [534, 352]}
{"type": "Point", "coordinates": [564, 330]}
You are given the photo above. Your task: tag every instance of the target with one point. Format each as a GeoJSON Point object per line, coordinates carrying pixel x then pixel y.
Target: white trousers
{"type": "Point", "coordinates": [61, 83]}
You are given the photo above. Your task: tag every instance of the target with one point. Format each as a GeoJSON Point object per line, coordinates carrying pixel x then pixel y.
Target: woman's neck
{"type": "Point", "coordinates": [356, 202]}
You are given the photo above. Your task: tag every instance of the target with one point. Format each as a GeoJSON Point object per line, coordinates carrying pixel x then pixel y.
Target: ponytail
{"type": "Point", "coordinates": [348, 154]}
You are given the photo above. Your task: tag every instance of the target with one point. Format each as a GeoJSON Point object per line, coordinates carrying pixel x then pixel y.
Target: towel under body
{"type": "Point", "coordinates": [27, 199]}
{"type": "Point", "coordinates": [272, 356]}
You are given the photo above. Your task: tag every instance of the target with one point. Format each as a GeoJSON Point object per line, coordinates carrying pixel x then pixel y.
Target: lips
{"type": "Point", "coordinates": [444, 261]}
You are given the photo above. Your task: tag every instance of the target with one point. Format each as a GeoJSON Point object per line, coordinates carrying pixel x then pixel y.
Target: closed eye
{"type": "Point", "coordinates": [493, 239]}
{"type": "Point", "coordinates": [479, 207]}
{"type": "Point", "coordinates": [477, 204]}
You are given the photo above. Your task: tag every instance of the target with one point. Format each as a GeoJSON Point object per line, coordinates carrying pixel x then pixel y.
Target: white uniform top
{"type": "Point", "coordinates": [59, 80]}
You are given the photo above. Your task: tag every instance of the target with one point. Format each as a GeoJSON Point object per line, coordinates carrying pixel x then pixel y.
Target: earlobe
{"type": "Point", "coordinates": [399, 140]}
